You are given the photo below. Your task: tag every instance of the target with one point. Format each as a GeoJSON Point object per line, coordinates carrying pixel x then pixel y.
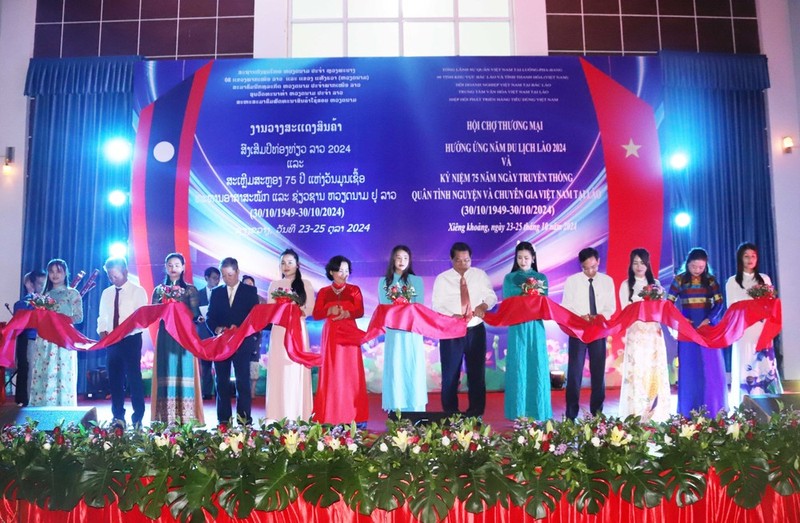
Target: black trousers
{"type": "Point", "coordinates": [124, 365]}
{"type": "Point", "coordinates": [206, 376]}
{"type": "Point", "coordinates": [597, 369]}
{"type": "Point", "coordinates": [21, 352]}
{"type": "Point", "coordinates": [472, 350]}
{"type": "Point", "coordinates": [241, 366]}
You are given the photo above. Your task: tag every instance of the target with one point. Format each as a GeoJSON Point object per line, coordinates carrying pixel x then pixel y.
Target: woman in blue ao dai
{"type": "Point", "coordinates": [701, 371]}
{"type": "Point", "coordinates": [404, 375]}
{"type": "Point", "coordinates": [527, 365]}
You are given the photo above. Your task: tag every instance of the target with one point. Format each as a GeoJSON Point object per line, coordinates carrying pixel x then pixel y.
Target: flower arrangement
{"type": "Point", "coordinates": [170, 293]}
{"type": "Point", "coordinates": [399, 294]}
{"type": "Point", "coordinates": [284, 295]}
{"type": "Point", "coordinates": [652, 292]}
{"type": "Point", "coordinates": [239, 469]}
{"type": "Point", "coordinates": [533, 287]}
{"type": "Point", "coordinates": [42, 302]}
{"type": "Point", "coordinates": [762, 292]}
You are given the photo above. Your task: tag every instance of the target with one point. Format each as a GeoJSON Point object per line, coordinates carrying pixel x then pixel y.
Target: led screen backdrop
{"type": "Point", "coordinates": [351, 156]}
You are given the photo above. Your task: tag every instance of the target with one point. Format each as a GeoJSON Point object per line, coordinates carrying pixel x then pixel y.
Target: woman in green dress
{"type": "Point", "coordinates": [527, 366]}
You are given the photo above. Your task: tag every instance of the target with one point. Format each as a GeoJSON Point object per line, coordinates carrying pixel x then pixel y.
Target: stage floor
{"type": "Point", "coordinates": [377, 418]}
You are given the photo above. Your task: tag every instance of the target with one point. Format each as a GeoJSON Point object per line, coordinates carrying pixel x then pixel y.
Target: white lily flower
{"type": "Point", "coordinates": [733, 430]}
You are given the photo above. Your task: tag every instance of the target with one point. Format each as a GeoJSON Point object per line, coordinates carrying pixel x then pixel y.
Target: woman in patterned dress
{"type": "Point", "coordinates": [53, 369]}
{"type": "Point", "coordinates": [176, 395]}
{"type": "Point", "coordinates": [645, 380]}
{"type": "Point", "coordinates": [752, 371]}
{"type": "Point", "coordinates": [701, 371]}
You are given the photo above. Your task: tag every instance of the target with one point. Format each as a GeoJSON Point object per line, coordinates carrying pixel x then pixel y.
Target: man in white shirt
{"type": "Point", "coordinates": [588, 294]}
{"type": "Point", "coordinates": [464, 292]}
{"type": "Point", "coordinates": [117, 303]}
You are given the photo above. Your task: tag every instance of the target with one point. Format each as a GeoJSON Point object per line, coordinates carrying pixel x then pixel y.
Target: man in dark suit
{"type": "Point", "coordinates": [211, 276]}
{"type": "Point", "coordinates": [34, 284]}
{"type": "Point", "coordinates": [228, 307]}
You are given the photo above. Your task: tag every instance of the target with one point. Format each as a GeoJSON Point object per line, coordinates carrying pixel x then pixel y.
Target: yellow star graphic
{"type": "Point", "coordinates": [631, 149]}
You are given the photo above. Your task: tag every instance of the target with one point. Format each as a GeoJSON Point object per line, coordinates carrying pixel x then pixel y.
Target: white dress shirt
{"type": "Point", "coordinates": [447, 292]}
{"type": "Point", "coordinates": [232, 292]}
{"type": "Point", "coordinates": [576, 294]}
{"type": "Point", "coordinates": [131, 297]}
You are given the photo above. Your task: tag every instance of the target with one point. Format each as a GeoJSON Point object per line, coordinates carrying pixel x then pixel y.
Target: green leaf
{"type": "Point", "coordinates": [542, 494]}
{"type": "Point", "coordinates": [591, 495]}
{"type": "Point", "coordinates": [391, 489]}
{"type": "Point", "coordinates": [642, 488]}
{"type": "Point", "coordinates": [358, 492]}
{"type": "Point", "coordinates": [133, 487]}
{"type": "Point", "coordinates": [432, 497]}
{"type": "Point", "coordinates": [102, 485]}
{"type": "Point", "coordinates": [322, 482]}
{"type": "Point", "coordinates": [191, 493]}
{"type": "Point", "coordinates": [685, 486]}
{"type": "Point", "coordinates": [784, 478]}
{"type": "Point", "coordinates": [237, 495]}
{"type": "Point", "coordinates": [155, 495]}
{"type": "Point", "coordinates": [746, 485]}
{"type": "Point", "coordinates": [52, 482]}
{"type": "Point", "coordinates": [275, 486]}
{"type": "Point", "coordinates": [480, 488]}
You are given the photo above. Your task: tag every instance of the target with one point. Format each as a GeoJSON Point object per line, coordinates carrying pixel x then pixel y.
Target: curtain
{"type": "Point", "coordinates": [715, 111]}
{"type": "Point", "coordinates": [77, 104]}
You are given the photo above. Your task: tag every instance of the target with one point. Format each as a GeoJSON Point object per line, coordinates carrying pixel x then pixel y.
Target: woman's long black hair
{"type": "Point", "coordinates": [297, 284]}
{"type": "Point", "coordinates": [524, 246]}
{"type": "Point", "coordinates": [58, 262]}
{"type": "Point", "coordinates": [746, 246]}
{"type": "Point", "coordinates": [697, 253]}
{"type": "Point", "coordinates": [645, 257]}
{"type": "Point", "coordinates": [390, 269]}
{"type": "Point", "coordinates": [180, 281]}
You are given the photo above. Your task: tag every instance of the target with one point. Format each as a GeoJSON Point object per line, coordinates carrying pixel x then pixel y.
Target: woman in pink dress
{"type": "Point", "coordinates": [289, 383]}
{"type": "Point", "coordinates": [342, 392]}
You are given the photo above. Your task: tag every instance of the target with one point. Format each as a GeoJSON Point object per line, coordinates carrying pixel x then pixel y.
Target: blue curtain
{"type": "Point", "coordinates": [77, 104]}
{"type": "Point", "coordinates": [714, 110]}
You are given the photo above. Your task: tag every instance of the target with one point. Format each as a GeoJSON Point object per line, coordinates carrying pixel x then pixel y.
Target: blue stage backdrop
{"type": "Point", "coordinates": [245, 158]}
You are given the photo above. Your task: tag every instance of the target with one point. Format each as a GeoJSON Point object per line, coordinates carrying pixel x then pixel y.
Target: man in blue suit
{"type": "Point", "coordinates": [228, 307]}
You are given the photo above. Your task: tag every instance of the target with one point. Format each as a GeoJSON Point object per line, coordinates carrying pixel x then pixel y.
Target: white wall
{"type": "Point", "coordinates": [16, 47]}
{"type": "Point", "coordinates": [780, 38]}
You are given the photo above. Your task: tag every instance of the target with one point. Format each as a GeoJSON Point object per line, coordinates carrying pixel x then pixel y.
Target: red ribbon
{"type": "Point", "coordinates": [414, 317]}
{"type": "Point", "coordinates": [740, 315]}
{"type": "Point", "coordinates": [178, 322]}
